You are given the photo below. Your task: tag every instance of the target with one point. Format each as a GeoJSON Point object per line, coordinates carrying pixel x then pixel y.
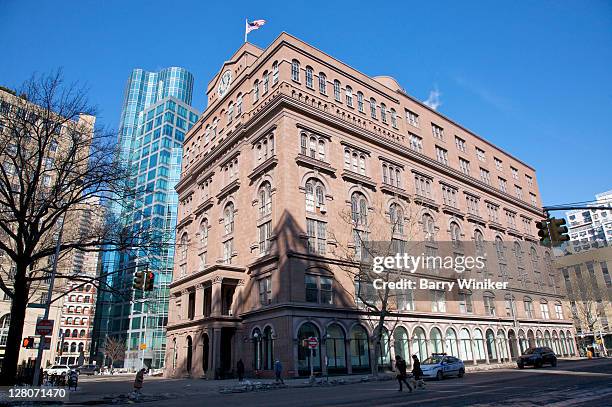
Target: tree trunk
{"type": "Point", "coordinates": [13, 342]}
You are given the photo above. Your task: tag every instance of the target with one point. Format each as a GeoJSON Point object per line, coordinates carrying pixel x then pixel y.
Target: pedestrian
{"type": "Point", "coordinates": [278, 371]}
{"type": "Point", "coordinates": [400, 365]}
{"type": "Point", "coordinates": [240, 370]}
{"type": "Point", "coordinates": [416, 368]}
{"type": "Point", "coordinates": [138, 382]}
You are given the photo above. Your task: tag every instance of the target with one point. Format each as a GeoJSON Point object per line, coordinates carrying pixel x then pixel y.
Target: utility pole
{"type": "Point", "coordinates": [36, 379]}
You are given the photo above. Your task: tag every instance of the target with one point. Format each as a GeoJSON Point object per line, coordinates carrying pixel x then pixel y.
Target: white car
{"type": "Point", "coordinates": [60, 370]}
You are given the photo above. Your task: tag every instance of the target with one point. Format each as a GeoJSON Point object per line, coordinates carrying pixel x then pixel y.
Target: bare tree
{"type": "Point", "coordinates": [114, 349]}
{"type": "Point", "coordinates": [52, 162]}
{"type": "Point", "coordinates": [378, 230]}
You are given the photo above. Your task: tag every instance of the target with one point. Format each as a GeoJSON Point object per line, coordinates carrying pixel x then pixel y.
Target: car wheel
{"type": "Point", "coordinates": [520, 365]}
{"type": "Point", "coordinates": [554, 363]}
{"type": "Point", "coordinates": [439, 375]}
{"type": "Point", "coordinates": [461, 372]}
{"type": "Point", "coordinates": [537, 364]}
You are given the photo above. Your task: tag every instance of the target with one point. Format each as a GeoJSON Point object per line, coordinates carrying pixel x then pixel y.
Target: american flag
{"type": "Point", "coordinates": [254, 25]}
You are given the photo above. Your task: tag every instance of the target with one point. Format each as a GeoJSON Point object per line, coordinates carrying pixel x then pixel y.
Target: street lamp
{"type": "Point", "coordinates": [327, 337]}
{"type": "Point", "coordinates": [256, 339]}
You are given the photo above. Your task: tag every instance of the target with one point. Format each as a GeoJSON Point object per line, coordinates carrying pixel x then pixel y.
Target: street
{"type": "Point", "coordinates": [571, 383]}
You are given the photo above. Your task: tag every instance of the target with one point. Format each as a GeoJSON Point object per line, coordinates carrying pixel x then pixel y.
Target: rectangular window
{"type": "Point", "coordinates": [373, 108]}
{"type": "Point", "coordinates": [529, 180]}
{"type": "Point", "coordinates": [265, 232]}
{"type": "Point", "coordinates": [437, 131]}
{"type": "Point", "coordinates": [480, 154]}
{"type": "Point", "coordinates": [465, 303]}
{"type": "Point", "coordinates": [317, 236]}
{"type": "Point", "coordinates": [484, 176]}
{"type": "Point", "coordinates": [412, 118]}
{"type": "Point", "coordinates": [514, 172]}
{"type": "Point", "coordinates": [460, 143]}
{"type": "Point", "coordinates": [337, 94]}
{"type": "Point", "coordinates": [449, 196]}
{"type": "Point", "coordinates": [533, 199]}
{"type": "Point", "coordinates": [265, 291]}
{"type": "Point", "coordinates": [544, 310]}
{"type": "Point", "coordinates": [528, 309]}
{"type": "Point", "coordinates": [519, 192]}
{"type": "Point", "coordinates": [498, 164]}
{"type": "Point", "coordinates": [416, 143]}
{"type": "Point", "coordinates": [559, 311]}
{"type": "Point", "coordinates": [422, 186]}
{"type": "Point", "coordinates": [472, 204]}
{"type": "Point", "coordinates": [493, 212]}
{"type": "Point", "coordinates": [312, 290]}
{"type": "Point", "coordinates": [228, 248]}
{"type": "Point", "coordinates": [191, 306]}
{"type": "Point", "coordinates": [464, 166]}
{"type": "Point", "coordinates": [360, 101]}
{"type": "Point", "coordinates": [606, 274]}
{"type": "Point", "coordinates": [326, 290]}
{"type": "Point", "coordinates": [489, 305]}
{"type": "Point", "coordinates": [442, 155]}
{"type": "Point", "coordinates": [502, 185]}
{"type": "Point", "coordinates": [438, 301]}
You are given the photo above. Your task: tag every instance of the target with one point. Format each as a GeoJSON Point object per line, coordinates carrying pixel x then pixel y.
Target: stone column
{"type": "Point", "coordinates": [216, 351]}
{"type": "Point", "coordinates": [349, 356]}
{"type": "Point", "coordinates": [323, 350]}
{"type": "Point", "coordinates": [198, 354]}
{"type": "Point", "coordinates": [409, 345]}
{"type": "Point", "coordinates": [184, 304]}
{"type": "Point", "coordinates": [199, 303]}
{"type": "Point", "coordinates": [474, 356]}
{"type": "Point", "coordinates": [210, 373]}
{"type": "Point", "coordinates": [216, 300]}
{"type": "Point", "coordinates": [295, 343]}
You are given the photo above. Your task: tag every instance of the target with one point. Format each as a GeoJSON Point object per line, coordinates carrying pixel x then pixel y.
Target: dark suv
{"type": "Point", "coordinates": [537, 357]}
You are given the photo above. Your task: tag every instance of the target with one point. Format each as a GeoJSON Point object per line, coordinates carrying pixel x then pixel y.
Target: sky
{"type": "Point", "coordinates": [533, 77]}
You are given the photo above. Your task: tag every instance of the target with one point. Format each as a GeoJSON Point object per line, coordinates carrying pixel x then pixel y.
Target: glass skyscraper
{"type": "Point", "coordinates": [155, 117]}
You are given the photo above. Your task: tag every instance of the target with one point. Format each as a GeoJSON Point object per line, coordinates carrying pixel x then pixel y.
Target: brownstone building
{"type": "Point", "coordinates": [291, 140]}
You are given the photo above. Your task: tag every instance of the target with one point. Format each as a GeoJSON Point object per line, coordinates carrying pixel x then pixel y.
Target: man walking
{"type": "Point", "coordinates": [138, 382]}
{"type": "Point", "coordinates": [400, 365]}
{"type": "Point", "coordinates": [278, 371]}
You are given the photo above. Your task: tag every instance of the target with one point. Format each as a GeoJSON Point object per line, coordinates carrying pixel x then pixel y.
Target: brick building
{"type": "Point", "coordinates": [291, 140]}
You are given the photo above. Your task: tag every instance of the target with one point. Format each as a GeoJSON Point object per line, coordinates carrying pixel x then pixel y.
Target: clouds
{"type": "Point", "coordinates": [433, 100]}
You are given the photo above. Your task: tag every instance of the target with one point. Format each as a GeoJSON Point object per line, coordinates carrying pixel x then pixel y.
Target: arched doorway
{"type": "Point", "coordinates": [435, 337]}
{"type": "Point", "coordinates": [539, 338]}
{"type": "Point", "coordinates": [479, 345]}
{"type": "Point", "coordinates": [268, 349]}
{"type": "Point", "coordinates": [563, 344]}
{"type": "Point", "coordinates": [205, 345]}
{"type": "Point", "coordinates": [336, 349]}
{"type": "Point", "coordinates": [305, 354]}
{"type": "Point", "coordinates": [452, 347]}
{"type": "Point", "coordinates": [513, 344]}
{"type": "Point", "coordinates": [556, 346]}
{"type": "Point", "coordinates": [384, 351]}
{"type": "Point", "coordinates": [523, 343]}
{"type": "Point", "coordinates": [491, 348]}
{"type": "Point", "coordinates": [547, 339]}
{"type": "Point", "coordinates": [465, 348]}
{"type": "Point", "coordinates": [503, 344]}
{"type": "Point", "coordinates": [189, 354]}
{"type": "Point", "coordinates": [360, 349]}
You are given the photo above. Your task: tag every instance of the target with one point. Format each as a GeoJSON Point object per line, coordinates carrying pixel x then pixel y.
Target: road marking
{"type": "Point", "coordinates": [561, 372]}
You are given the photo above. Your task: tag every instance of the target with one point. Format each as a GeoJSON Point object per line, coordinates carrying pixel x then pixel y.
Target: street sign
{"type": "Point", "coordinates": [313, 342]}
{"type": "Point", "coordinates": [44, 327]}
{"type": "Point", "coordinates": [143, 346]}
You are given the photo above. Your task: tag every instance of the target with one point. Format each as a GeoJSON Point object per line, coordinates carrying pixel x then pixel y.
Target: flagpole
{"type": "Point", "coordinates": [246, 25]}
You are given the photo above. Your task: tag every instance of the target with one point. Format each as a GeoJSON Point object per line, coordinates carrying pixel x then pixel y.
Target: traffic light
{"type": "Point", "coordinates": [28, 342]}
{"type": "Point", "coordinates": [558, 231]}
{"type": "Point", "coordinates": [150, 280]}
{"type": "Point", "coordinates": [138, 280]}
{"type": "Point", "coordinates": [543, 231]}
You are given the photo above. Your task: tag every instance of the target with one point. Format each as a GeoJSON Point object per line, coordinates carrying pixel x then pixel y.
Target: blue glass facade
{"type": "Point", "coordinates": [155, 118]}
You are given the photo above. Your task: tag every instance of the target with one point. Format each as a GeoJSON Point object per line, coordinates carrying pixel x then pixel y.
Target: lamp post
{"type": "Point", "coordinates": [258, 351]}
{"type": "Point", "coordinates": [327, 337]}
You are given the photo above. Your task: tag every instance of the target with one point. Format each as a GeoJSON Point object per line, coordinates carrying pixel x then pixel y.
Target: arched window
{"type": "Point", "coordinates": [265, 199]}
{"type": "Point", "coordinates": [479, 242]}
{"type": "Point", "coordinates": [266, 82]}
{"type": "Point", "coordinates": [312, 147]}
{"type": "Point", "coordinates": [315, 195]}
{"type": "Point", "coordinates": [73, 347]}
{"type": "Point", "coordinates": [183, 248]}
{"type": "Point", "coordinates": [308, 330]}
{"type": "Point", "coordinates": [228, 218]}
{"type": "Point", "coordinates": [81, 346]}
{"type": "Point", "coordinates": [499, 248]}
{"type": "Point", "coordinates": [419, 343]}
{"type": "Point", "coordinates": [373, 108]}
{"type": "Point", "coordinates": [204, 232]}
{"type": "Point", "coordinates": [401, 343]}
{"type": "Point", "coordinates": [452, 347]}
{"type": "Point", "coordinates": [429, 228]}
{"type": "Point", "coordinates": [518, 253]}
{"type": "Point", "coordinates": [360, 349]}
{"type": "Point", "coordinates": [544, 309]}
{"type": "Point", "coordinates": [479, 344]}
{"type": "Point", "coordinates": [534, 258]}
{"type": "Point", "coordinates": [384, 349]}
{"type": "Point", "coordinates": [275, 73]}
{"type": "Point", "coordinates": [322, 83]}
{"type": "Point", "coordinates": [360, 101]}
{"type": "Point", "coordinates": [75, 333]}
{"type": "Point", "coordinates": [238, 106]}
{"type": "Point", "coordinates": [309, 77]}
{"type": "Point", "coordinates": [295, 70]}
{"type": "Point", "coordinates": [230, 112]}
{"type": "Point", "coordinates": [359, 209]}
{"type": "Point", "coordinates": [465, 350]}
{"type": "Point", "coordinates": [491, 346]}
{"type": "Point", "coordinates": [455, 234]}
{"type": "Point", "coordinates": [503, 344]}
{"type": "Point", "coordinates": [268, 349]}
{"type": "Point", "coordinates": [435, 337]}
{"type": "Point", "coordinates": [393, 118]}
{"type": "Point", "coordinates": [256, 90]}
{"type": "Point", "coordinates": [68, 321]}
{"type": "Point", "coordinates": [396, 216]}
{"type": "Point", "coordinates": [528, 306]}
{"type": "Point", "coordinates": [82, 333]}
{"type": "Point", "coordinates": [337, 94]}
{"type": "Point", "coordinates": [5, 322]}
{"type": "Point", "coordinates": [489, 303]}
{"type": "Point", "coordinates": [336, 349]}
{"type": "Point", "coordinates": [349, 96]}
{"type": "Point", "coordinates": [383, 112]}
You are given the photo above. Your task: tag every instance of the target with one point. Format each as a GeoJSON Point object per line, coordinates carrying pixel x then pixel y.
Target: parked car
{"type": "Point", "coordinates": [61, 370]}
{"type": "Point", "coordinates": [537, 357]}
{"type": "Point", "coordinates": [440, 365]}
{"type": "Point", "coordinates": [89, 370]}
